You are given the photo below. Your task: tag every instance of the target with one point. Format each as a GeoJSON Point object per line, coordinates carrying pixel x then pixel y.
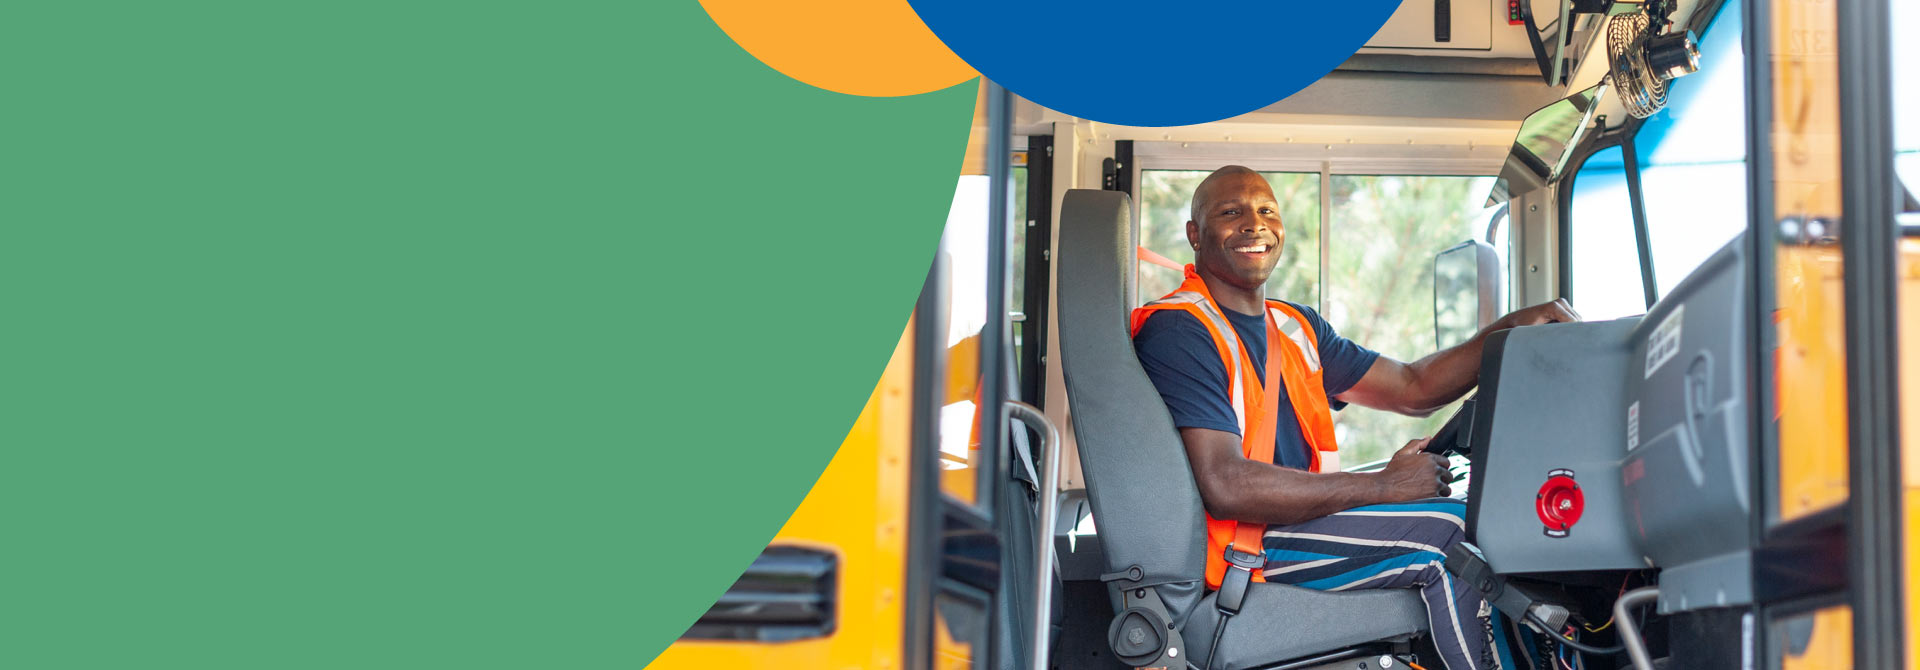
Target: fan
{"type": "Point", "coordinates": [1640, 61]}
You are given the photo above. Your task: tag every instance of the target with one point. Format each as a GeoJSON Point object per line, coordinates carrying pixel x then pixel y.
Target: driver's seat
{"type": "Point", "coordinates": [1144, 498]}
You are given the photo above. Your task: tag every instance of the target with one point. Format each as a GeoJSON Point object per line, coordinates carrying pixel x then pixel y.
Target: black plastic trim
{"type": "Point", "coordinates": [1491, 353]}
{"type": "Point", "coordinates": [1039, 223]}
{"type": "Point", "coordinates": [1534, 39]}
{"type": "Point", "coordinates": [1869, 244]}
{"type": "Point", "coordinates": [969, 547]}
{"type": "Point", "coordinates": [1123, 168]}
{"type": "Point", "coordinates": [1804, 558]}
{"type": "Point", "coordinates": [923, 475]}
{"type": "Point", "coordinates": [1642, 242]}
{"type": "Point", "coordinates": [1761, 335]}
{"type": "Point", "coordinates": [996, 335]}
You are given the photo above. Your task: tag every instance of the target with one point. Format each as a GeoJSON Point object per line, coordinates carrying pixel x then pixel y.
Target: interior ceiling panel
{"type": "Point", "coordinates": [1476, 29]}
{"type": "Point", "coordinates": [1439, 24]}
{"type": "Point", "coordinates": [1436, 96]}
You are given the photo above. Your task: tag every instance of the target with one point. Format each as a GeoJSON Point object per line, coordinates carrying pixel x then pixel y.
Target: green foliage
{"type": "Point", "coordinates": [1385, 233]}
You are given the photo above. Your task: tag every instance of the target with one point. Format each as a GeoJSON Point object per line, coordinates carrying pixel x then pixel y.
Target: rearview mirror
{"type": "Point", "coordinates": [1466, 291]}
{"type": "Point", "coordinates": [1541, 148]}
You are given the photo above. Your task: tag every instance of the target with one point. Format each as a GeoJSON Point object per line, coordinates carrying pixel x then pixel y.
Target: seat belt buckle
{"type": "Point", "coordinates": [1234, 584]}
{"type": "Point", "coordinates": [1244, 560]}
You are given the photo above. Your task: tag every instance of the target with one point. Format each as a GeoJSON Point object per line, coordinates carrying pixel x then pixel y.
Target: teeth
{"type": "Point", "coordinates": [1260, 249]}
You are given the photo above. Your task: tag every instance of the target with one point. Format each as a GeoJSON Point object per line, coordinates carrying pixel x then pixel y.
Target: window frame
{"type": "Point", "coordinates": [1625, 136]}
{"type": "Point", "coordinates": [1621, 136]}
{"type": "Point", "coordinates": [1031, 368]}
{"type": "Point", "coordinates": [1327, 160]}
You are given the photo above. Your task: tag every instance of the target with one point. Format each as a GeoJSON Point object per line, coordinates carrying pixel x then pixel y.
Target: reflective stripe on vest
{"type": "Point", "coordinates": [1220, 325]}
{"type": "Point", "coordinates": [1309, 349]}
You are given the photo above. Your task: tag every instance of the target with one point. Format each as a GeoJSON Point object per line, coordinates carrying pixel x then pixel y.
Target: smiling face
{"type": "Point", "coordinates": [1236, 229]}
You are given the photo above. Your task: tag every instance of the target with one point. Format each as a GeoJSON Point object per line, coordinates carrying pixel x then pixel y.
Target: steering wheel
{"type": "Point", "coordinates": [1455, 436]}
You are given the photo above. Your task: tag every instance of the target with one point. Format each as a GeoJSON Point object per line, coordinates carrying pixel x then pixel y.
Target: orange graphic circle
{"type": "Point", "coordinates": [857, 47]}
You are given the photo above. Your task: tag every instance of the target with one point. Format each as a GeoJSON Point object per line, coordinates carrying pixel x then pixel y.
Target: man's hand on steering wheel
{"type": "Point", "coordinates": [1413, 474]}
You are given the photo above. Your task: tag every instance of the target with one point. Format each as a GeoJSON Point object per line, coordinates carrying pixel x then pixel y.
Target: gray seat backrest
{"type": "Point", "coordinates": [1145, 504]}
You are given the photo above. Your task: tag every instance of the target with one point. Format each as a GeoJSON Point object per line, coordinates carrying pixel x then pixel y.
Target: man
{"type": "Point", "coordinates": [1254, 440]}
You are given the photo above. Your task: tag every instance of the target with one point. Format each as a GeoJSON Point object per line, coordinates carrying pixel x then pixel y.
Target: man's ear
{"type": "Point", "coordinates": [1193, 234]}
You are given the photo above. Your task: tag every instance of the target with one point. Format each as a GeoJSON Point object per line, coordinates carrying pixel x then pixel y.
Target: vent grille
{"type": "Point", "coordinates": [787, 594]}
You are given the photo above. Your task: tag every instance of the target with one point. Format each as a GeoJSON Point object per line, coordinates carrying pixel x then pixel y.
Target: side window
{"type": "Point", "coordinates": [1165, 198]}
{"type": "Point", "coordinates": [1383, 234]}
{"type": "Point", "coordinates": [1017, 290]}
{"type": "Point", "coordinates": [1499, 226]}
{"type": "Point", "coordinates": [1692, 155]}
{"type": "Point", "coordinates": [1602, 249]}
{"type": "Point", "coordinates": [1019, 229]}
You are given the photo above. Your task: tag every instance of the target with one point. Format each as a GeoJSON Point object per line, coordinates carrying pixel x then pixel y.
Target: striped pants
{"type": "Point", "coordinates": [1399, 545]}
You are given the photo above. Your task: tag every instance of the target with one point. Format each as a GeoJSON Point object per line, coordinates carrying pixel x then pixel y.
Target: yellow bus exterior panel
{"type": "Point", "coordinates": [1811, 381]}
{"type": "Point", "coordinates": [1810, 386]}
{"type": "Point", "coordinates": [1830, 647]}
{"type": "Point", "coordinates": [858, 511]}
{"type": "Point", "coordinates": [1909, 325]}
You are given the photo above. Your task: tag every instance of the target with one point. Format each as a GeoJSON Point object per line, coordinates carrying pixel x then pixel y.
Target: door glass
{"type": "Point", "coordinates": [1906, 143]}
{"type": "Point", "coordinates": [964, 244]}
{"type": "Point", "coordinates": [1813, 641]}
{"type": "Point", "coordinates": [1384, 232]}
{"type": "Point", "coordinates": [1606, 280]}
{"type": "Point", "coordinates": [968, 266]}
{"type": "Point", "coordinates": [960, 628]}
{"type": "Point", "coordinates": [1165, 199]}
{"type": "Point", "coordinates": [1810, 393]}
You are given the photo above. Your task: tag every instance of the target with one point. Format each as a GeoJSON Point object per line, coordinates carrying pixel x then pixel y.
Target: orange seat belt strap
{"type": "Point", "coordinates": [1247, 536]}
{"type": "Point", "coordinates": [1305, 388]}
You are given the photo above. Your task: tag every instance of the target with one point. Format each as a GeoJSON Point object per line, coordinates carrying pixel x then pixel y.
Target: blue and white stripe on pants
{"type": "Point", "coordinates": [1396, 545]}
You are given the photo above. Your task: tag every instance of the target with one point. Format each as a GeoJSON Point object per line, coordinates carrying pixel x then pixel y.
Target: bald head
{"type": "Point", "coordinates": [1204, 193]}
{"type": "Point", "coordinates": [1235, 231]}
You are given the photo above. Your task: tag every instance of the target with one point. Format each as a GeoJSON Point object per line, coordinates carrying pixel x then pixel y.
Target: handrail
{"type": "Point", "coordinates": [1630, 631]}
{"type": "Point", "coordinates": [1049, 487]}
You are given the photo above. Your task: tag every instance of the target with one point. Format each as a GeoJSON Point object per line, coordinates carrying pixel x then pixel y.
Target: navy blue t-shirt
{"type": "Point", "coordinates": [1180, 358]}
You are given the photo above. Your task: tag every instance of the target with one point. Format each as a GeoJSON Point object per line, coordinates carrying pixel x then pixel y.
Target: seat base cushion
{"type": "Point", "coordinates": [1280, 623]}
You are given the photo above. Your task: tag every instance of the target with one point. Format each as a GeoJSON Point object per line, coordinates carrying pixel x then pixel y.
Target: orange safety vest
{"type": "Point", "coordinates": [1293, 359]}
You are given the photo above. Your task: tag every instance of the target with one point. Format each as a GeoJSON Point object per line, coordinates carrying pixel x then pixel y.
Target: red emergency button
{"type": "Point", "coordinates": [1559, 503]}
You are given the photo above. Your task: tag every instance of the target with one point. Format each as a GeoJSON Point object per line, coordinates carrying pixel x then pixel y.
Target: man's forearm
{"type": "Point", "coordinates": [1445, 375]}
{"type": "Point", "coordinates": [1425, 385]}
{"type": "Point", "coordinates": [1266, 493]}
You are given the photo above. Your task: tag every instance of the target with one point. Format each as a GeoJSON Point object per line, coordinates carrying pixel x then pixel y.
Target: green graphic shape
{"type": "Point", "coordinates": [425, 334]}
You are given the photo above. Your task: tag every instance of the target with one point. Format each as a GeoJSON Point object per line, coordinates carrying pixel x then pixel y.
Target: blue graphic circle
{"type": "Point", "coordinates": [1137, 63]}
